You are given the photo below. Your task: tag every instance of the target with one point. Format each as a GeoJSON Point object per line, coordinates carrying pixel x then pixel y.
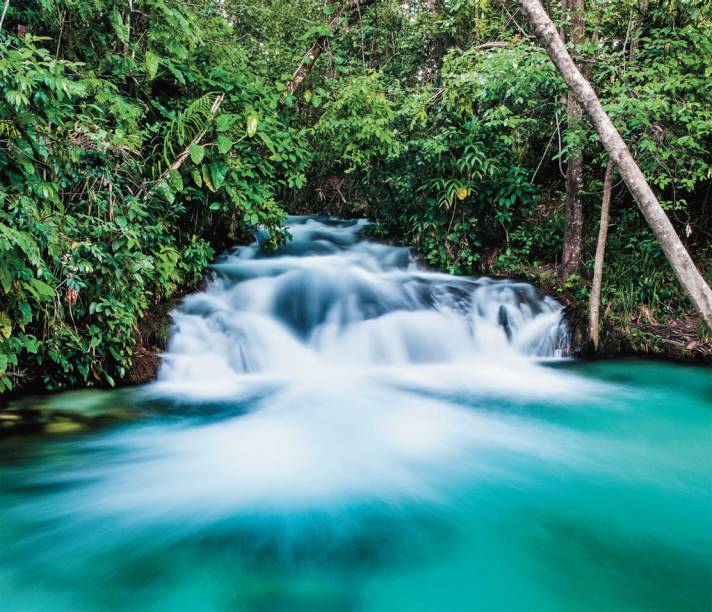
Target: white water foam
{"type": "Point", "coordinates": [365, 373]}
{"type": "Point", "coordinates": [334, 298]}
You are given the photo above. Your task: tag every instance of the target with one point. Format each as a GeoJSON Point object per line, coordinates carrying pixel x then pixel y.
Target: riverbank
{"type": "Point", "coordinates": [639, 334]}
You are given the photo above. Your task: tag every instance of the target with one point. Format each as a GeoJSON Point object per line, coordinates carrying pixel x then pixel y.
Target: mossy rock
{"type": "Point", "coordinates": [64, 427]}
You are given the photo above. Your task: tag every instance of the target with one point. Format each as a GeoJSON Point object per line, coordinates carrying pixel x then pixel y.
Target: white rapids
{"type": "Point", "coordinates": [340, 372]}
{"type": "Point", "coordinates": [333, 299]}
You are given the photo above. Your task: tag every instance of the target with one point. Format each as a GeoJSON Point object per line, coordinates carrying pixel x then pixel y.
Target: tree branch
{"type": "Point", "coordinates": [312, 55]}
{"type": "Point", "coordinates": [4, 11]}
{"type": "Point", "coordinates": [495, 44]}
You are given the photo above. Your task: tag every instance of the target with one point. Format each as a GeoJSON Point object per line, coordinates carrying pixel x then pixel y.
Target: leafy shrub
{"type": "Point", "coordinates": [124, 166]}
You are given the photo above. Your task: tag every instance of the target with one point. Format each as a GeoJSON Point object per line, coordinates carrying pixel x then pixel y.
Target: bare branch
{"type": "Point", "coordinates": [595, 300]}
{"type": "Point", "coordinates": [4, 11]}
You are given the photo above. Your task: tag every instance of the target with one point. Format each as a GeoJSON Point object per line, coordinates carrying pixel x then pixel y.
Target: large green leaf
{"type": "Point", "coordinates": [218, 172]}
{"type": "Point", "coordinates": [197, 152]}
{"type": "Point", "coordinates": [152, 61]}
{"type": "Point", "coordinates": [224, 144]}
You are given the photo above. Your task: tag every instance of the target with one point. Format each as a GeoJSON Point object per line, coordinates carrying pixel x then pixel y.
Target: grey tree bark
{"type": "Point", "coordinates": [689, 276]}
{"type": "Point", "coordinates": [594, 307]}
{"type": "Point", "coordinates": [4, 12]}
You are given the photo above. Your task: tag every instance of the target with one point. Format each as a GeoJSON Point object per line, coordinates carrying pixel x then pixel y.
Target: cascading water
{"type": "Point", "coordinates": [336, 428]}
{"type": "Point", "coordinates": [333, 299]}
{"type": "Point", "coordinates": [335, 340]}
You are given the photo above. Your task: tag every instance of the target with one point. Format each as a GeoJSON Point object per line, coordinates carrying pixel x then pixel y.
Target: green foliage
{"type": "Point", "coordinates": [355, 131]}
{"type": "Point", "coordinates": [446, 169]}
{"type": "Point", "coordinates": [474, 174]}
{"type": "Point", "coordinates": [129, 150]}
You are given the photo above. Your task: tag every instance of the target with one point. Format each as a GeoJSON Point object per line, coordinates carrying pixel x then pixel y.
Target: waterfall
{"type": "Point", "coordinates": [331, 298]}
{"type": "Point", "coordinates": [343, 370]}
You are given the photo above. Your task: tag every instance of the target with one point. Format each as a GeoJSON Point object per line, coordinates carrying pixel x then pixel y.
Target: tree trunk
{"type": "Point", "coordinates": [437, 50]}
{"type": "Point", "coordinates": [319, 45]}
{"type": "Point", "coordinates": [595, 301]}
{"type": "Point", "coordinates": [637, 29]}
{"type": "Point", "coordinates": [689, 276]}
{"type": "Point", "coordinates": [572, 257]}
{"type": "Point", "coordinates": [4, 12]}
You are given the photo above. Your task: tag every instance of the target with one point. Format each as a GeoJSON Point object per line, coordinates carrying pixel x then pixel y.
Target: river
{"type": "Point", "coordinates": [335, 427]}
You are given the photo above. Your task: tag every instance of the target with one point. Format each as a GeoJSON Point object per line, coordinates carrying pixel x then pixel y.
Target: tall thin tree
{"type": "Point", "coordinates": [572, 257]}
{"type": "Point", "coordinates": [689, 276]}
{"type": "Point", "coordinates": [317, 48]}
{"type": "Point", "coordinates": [594, 305]}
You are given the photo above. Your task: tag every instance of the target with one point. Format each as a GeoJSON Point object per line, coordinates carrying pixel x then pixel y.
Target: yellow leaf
{"type": "Point", "coordinates": [5, 325]}
{"type": "Point", "coordinates": [251, 125]}
{"type": "Point", "coordinates": [462, 194]}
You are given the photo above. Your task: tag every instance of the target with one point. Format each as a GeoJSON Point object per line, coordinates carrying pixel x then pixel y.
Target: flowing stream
{"type": "Point", "coordinates": [335, 427]}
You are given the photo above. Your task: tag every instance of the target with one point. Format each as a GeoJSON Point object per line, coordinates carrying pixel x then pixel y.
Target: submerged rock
{"type": "Point", "coordinates": [70, 412]}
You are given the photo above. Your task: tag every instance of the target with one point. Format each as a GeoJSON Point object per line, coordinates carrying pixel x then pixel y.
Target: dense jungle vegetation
{"type": "Point", "coordinates": [139, 137]}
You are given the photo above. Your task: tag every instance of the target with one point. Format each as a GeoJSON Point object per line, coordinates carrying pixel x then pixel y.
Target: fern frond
{"type": "Point", "coordinates": [186, 125]}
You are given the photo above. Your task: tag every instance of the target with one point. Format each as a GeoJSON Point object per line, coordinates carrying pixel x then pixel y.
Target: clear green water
{"type": "Point", "coordinates": [597, 497]}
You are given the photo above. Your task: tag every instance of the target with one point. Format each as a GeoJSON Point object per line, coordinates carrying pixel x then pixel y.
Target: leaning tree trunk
{"type": "Point", "coordinates": [572, 257]}
{"type": "Point", "coordinates": [689, 276]}
{"type": "Point", "coordinates": [309, 59]}
{"type": "Point", "coordinates": [595, 301]}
